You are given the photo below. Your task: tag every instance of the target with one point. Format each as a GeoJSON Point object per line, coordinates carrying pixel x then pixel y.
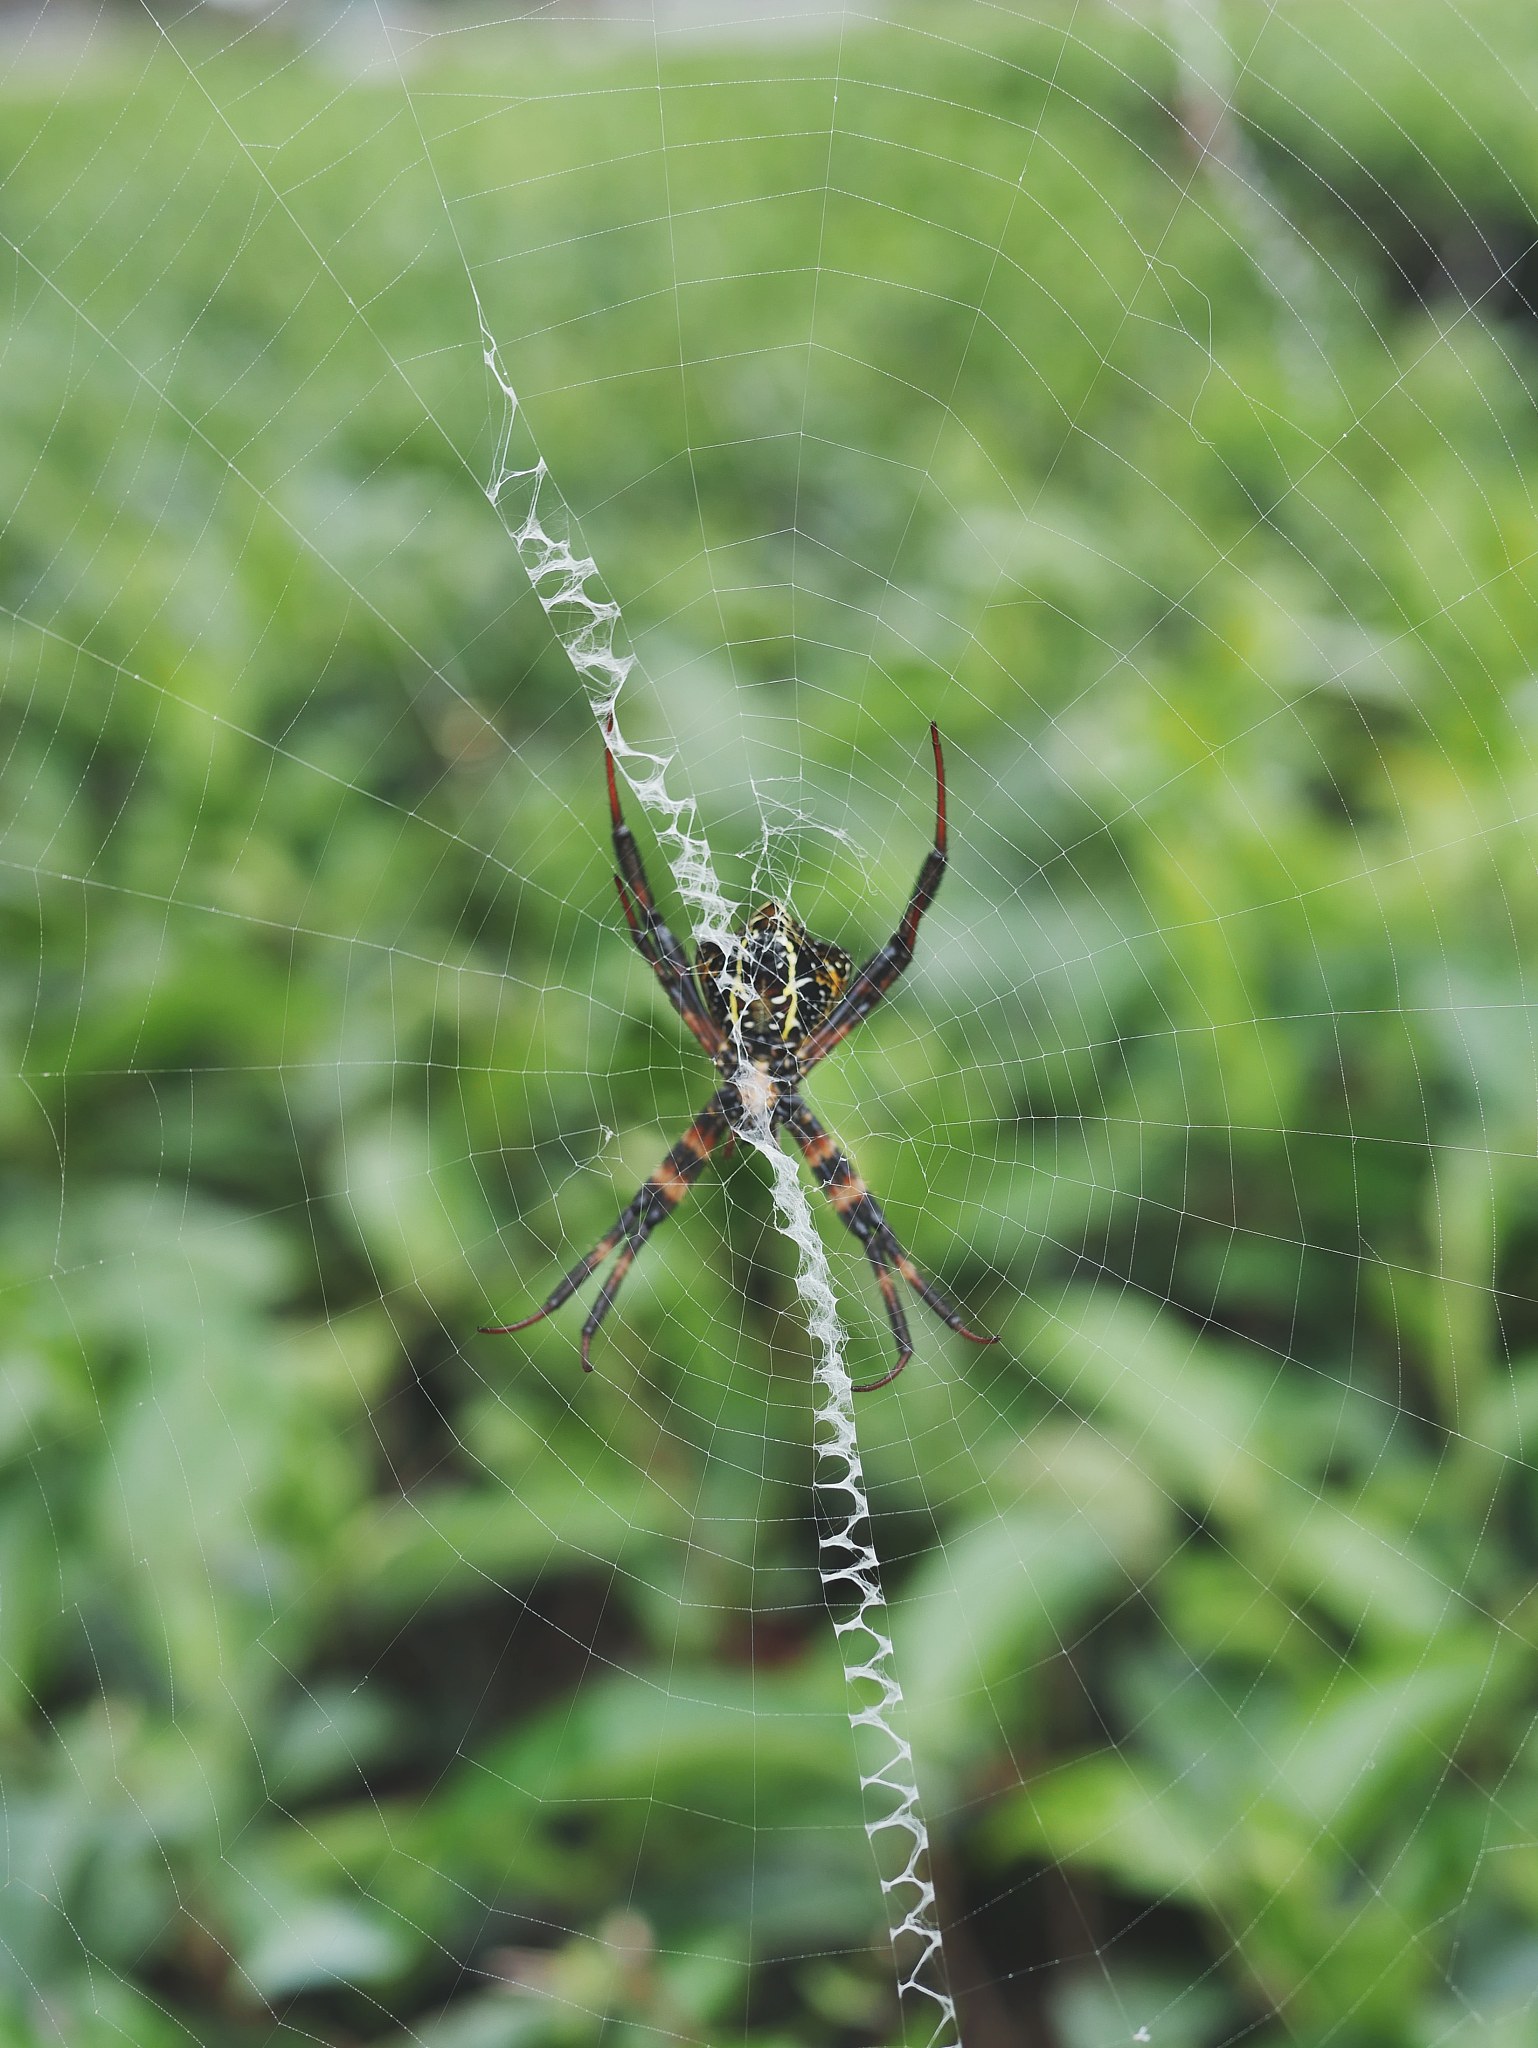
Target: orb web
{"type": "Point", "coordinates": [1146, 397]}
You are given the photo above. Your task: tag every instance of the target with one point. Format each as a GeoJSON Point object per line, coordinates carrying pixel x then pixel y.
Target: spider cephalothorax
{"type": "Point", "coordinates": [771, 985]}
{"type": "Point", "coordinates": [771, 1002]}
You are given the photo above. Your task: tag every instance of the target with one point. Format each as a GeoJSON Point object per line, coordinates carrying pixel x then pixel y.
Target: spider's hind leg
{"type": "Point", "coordinates": [861, 1213]}
{"type": "Point", "coordinates": [653, 1202]}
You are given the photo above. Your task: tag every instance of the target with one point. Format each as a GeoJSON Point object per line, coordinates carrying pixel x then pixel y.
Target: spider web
{"type": "Point", "coordinates": [1146, 397]}
{"type": "Point", "coordinates": [587, 623]}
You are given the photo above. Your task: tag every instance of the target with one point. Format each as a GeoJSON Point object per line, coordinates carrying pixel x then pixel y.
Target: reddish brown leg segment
{"type": "Point", "coordinates": [652, 1204]}
{"type": "Point", "coordinates": [890, 961]}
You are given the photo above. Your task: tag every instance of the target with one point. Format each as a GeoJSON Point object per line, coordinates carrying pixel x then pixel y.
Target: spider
{"type": "Point", "coordinates": [766, 1007]}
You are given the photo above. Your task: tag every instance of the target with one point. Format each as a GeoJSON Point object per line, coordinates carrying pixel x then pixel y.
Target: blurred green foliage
{"type": "Point", "coordinates": [357, 1679]}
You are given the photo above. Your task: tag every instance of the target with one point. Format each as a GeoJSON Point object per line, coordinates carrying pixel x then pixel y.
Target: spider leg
{"type": "Point", "coordinates": [684, 996]}
{"type": "Point", "coordinates": [657, 945]}
{"type": "Point", "coordinates": [890, 961]}
{"type": "Point", "coordinates": [652, 1204]}
{"type": "Point", "coordinates": [859, 1210]}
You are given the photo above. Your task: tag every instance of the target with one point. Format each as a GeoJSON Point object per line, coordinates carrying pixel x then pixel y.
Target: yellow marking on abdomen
{"type": "Point", "coordinates": [738, 990]}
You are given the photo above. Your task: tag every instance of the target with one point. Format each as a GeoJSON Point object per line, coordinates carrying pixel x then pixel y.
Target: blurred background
{"type": "Point", "coordinates": [1147, 396]}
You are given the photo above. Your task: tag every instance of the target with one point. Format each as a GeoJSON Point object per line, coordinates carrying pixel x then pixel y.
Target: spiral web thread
{"type": "Point", "coordinates": [587, 622]}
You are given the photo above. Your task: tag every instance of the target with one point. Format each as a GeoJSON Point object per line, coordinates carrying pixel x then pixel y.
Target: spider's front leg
{"type": "Point", "coordinates": [889, 962]}
{"type": "Point", "coordinates": [652, 1204]}
{"type": "Point", "coordinates": [657, 945]}
{"type": "Point", "coordinates": [860, 1212]}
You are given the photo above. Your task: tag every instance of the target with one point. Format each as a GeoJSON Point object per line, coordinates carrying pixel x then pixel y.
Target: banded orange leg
{"type": "Point", "coordinates": [859, 1211]}
{"type": "Point", "coordinates": [651, 1204]}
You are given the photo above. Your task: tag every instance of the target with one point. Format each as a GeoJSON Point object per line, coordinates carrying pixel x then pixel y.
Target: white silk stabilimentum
{"type": "Point", "coordinates": [586, 621]}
